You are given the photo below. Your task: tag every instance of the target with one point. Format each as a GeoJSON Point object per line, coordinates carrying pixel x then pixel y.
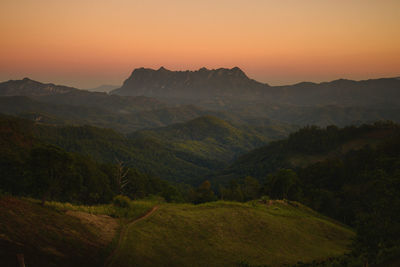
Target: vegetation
{"type": "Point", "coordinates": [226, 233]}
{"type": "Point", "coordinates": [158, 154]}
{"type": "Point", "coordinates": [209, 137]}
{"type": "Point", "coordinates": [33, 168]}
{"type": "Point", "coordinates": [47, 237]}
{"type": "Point", "coordinates": [350, 174]}
{"type": "Point", "coordinates": [353, 176]}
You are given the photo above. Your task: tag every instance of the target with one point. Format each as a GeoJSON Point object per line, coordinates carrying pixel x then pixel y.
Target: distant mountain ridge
{"type": "Point", "coordinates": [154, 98]}
{"type": "Point", "coordinates": [210, 87]}
{"type": "Point", "coordinates": [27, 86]}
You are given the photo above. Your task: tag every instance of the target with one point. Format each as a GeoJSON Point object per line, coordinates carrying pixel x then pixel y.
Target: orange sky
{"type": "Point", "coordinates": [85, 43]}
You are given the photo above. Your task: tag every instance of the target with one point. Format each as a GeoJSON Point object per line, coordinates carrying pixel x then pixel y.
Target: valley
{"type": "Point", "coordinates": [200, 168]}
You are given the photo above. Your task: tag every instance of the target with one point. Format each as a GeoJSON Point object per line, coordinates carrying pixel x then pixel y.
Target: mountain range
{"type": "Point", "coordinates": [157, 98]}
{"type": "Point", "coordinates": [198, 136]}
{"type": "Point", "coordinates": [233, 84]}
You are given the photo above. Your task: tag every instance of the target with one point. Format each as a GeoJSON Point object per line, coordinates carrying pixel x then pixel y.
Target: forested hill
{"type": "Point", "coordinates": [351, 174]}
{"type": "Point", "coordinates": [213, 138]}
{"type": "Point", "coordinates": [310, 145]}
{"type": "Point", "coordinates": [31, 166]}
{"type": "Point", "coordinates": [152, 152]}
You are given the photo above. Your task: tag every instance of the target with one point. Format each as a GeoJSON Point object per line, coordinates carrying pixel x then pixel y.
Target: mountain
{"type": "Point", "coordinates": [201, 84]}
{"type": "Point", "coordinates": [340, 102]}
{"type": "Point", "coordinates": [104, 88]}
{"type": "Point", "coordinates": [210, 87]}
{"type": "Point", "coordinates": [30, 87]}
{"type": "Point", "coordinates": [374, 92]}
{"type": "Point", "coordinates": [122, 113]}
{"type": "Point", "coordinates": [58, 94]}
{"type": "Point", "coordinates": [163, 97]}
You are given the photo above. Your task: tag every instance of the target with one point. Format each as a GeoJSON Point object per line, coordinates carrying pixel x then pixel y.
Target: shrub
{"type": "Point", "coordinates": [264, 199]}
{"type": "Point", "coordinates": [122, 201]}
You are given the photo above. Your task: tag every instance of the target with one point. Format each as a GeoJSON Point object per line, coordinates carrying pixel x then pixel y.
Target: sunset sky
{"type": "Point", "coordinates": [86, 43]}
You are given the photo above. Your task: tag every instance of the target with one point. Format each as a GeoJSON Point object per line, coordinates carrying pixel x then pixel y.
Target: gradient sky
{"type": "Point", "coordinates": [85, 43]}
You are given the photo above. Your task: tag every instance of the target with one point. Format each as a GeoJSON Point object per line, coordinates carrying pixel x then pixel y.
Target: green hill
{"type": "Point", "coordinates": [350, 174]}
{"type": "Point", "coordinates": [307, 146]}
{"type": "Point", "coordinates": [212, 138]}
{"type": "Point", "coordinates": [213, 234]}
{"type": "Point", "coordinates": [225, 234]}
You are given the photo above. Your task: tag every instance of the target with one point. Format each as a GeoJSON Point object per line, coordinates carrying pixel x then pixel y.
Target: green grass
{"type": "Point", "coordinates": [46, 237]}
{"type": "Point", "coordinates": [226, 233]}
{"type": "Point", "coordinates": [136, 208]}
{"type": "Point", "coordinates": [49, 236]}
{"type": "Point", "coordinates": [212, 234]}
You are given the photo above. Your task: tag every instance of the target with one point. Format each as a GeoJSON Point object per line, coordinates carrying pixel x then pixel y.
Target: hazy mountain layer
{"type": "Point", "coordinates": [222, 84]}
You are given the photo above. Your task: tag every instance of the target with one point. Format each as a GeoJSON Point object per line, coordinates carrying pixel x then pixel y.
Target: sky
{"type": "Point", "coordinates": [86, 43]}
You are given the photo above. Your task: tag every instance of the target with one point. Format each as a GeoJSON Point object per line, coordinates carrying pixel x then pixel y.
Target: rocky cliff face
{"type": "Point", "coordinates": [200, 84]}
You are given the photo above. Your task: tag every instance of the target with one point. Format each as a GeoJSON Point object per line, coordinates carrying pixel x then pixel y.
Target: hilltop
{"type": "Point", "coordinates": [227, 234]}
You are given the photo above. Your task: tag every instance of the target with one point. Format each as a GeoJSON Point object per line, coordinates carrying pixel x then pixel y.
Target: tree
{"type": "Point", "coordinates": [284, 184]}
{"type": "Point", "coordinates": [204, 193]}
{"type": "Point", "coordinates": [49, 165]}
{"type": "Point", "coordinates": [121, 176]}
{"type": "Point", "coordinates": [251, 188]}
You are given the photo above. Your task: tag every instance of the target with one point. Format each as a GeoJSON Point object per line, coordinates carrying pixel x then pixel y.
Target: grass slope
{"type": "Point", "coordinates": [47, 237]}
{"type": "Point", "coordinates": [224, 234]}
{"type": "Point", "coordinates": [62, 234]}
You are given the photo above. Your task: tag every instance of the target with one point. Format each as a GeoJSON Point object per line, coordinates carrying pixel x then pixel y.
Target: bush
{"type": "Point", "coordinates": [264, 199]}
{"type": "Point", "coordinates": [122, 201]}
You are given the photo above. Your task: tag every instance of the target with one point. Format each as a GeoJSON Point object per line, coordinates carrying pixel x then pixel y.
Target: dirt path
{"type": "Point", "coordinates": [123, 232]}
{"type": "Point", "coordinates": [106, 227]}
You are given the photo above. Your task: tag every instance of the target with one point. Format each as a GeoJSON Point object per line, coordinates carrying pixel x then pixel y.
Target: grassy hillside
{"type": "Point", "coordinates": [160, 234]}
{"type": "Point", "coordinates": [47, 237]}
{"type": "Point", "coordinates": [225, 234]}
{"type": "Point", "coordinates": [350, 174]}
{"type": "Point", "coordinates": [62, 234]}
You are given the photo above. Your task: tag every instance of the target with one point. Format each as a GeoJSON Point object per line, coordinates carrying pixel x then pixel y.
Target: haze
{"type": "Point", "coordinates": [88, 43]}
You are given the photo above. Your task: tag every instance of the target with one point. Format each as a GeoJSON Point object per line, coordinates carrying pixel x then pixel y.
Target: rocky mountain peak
{"type": "Point", "coordinates": [202, 83]}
